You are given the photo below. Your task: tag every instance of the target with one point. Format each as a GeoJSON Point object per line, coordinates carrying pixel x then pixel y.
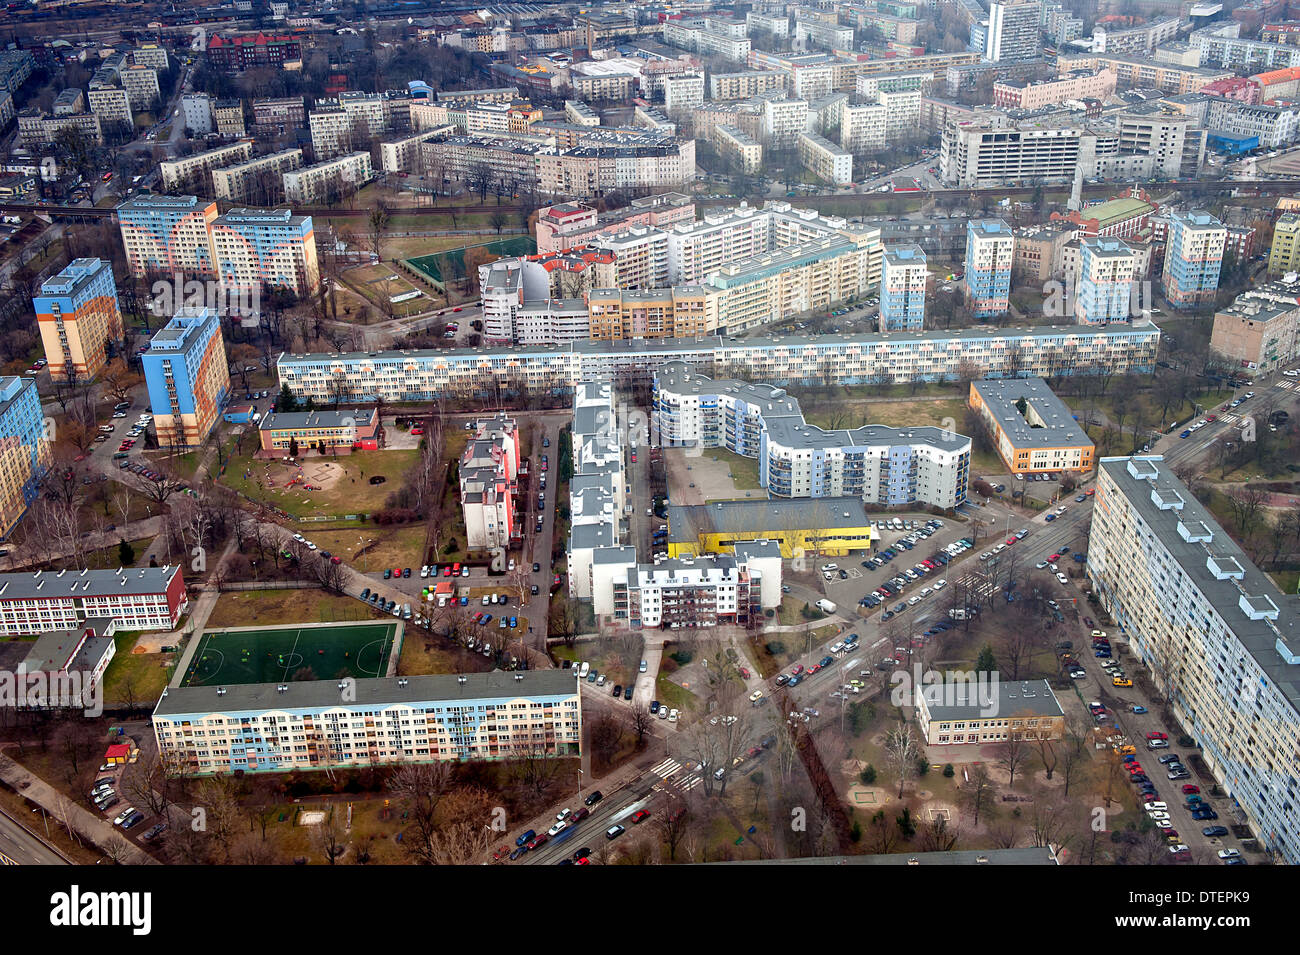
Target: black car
{"type": "Point", "coordinates": [618, 690]}
{"type": "Point", "coordinates": [536, 567]}
{"type": "Point", "coordinates": [1213, 831]}
{"type": "Point", "coordinates": [594, 798]}
{"type": "Point", "coordinates": [534, 590]}
{"type": "Point", "coordinates": [133, 820]}
{"type": "Point", "coordinates": [582, 853]}
{"type": "Point", "coordinates": [153, 832]}
{"type": "Point", "coordinates": [627, 692]}
{"type": "Point", "coordinates": [406, 572]}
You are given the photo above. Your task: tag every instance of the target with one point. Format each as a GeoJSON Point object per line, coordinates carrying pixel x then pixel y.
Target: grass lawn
{"type": "Point", "coordinates": [673, 696]}
{"type": "Point", "coordinates": [744, 471]}
{"type": "Point", "coordinates": [790, 613]}
{"type": "Point", "coordinates": [1288, 581]}
{"type": "Point", "coordinates": [423, 653]}
{"type": "Point", "coordinates": [370, 282]}
{"type": "Point", "coordinates": [139, 677]}
{"type": "Point", "coordinates": [351, 494]}
{"type": "Point", "coordinates": [249, 607]}
{"type": "Point", "coordinates": [393, 546]}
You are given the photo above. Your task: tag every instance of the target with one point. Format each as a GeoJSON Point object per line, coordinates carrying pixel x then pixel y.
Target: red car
{"type": "Point", "coordinates": [814, 668]}
{"type": "Point", "coordinates": [1134, 768]}
{"type": "Point", "coordinates": [1054, 558]}
{"type": "Point", "coordinates": [537, 841]}
{"type": "Point", "coordinates": [1211, 417]}
{"type": "Point", "coordinates": [1156, 734]}
{"type": "Point", "coordinates": [1190, 790]}
{"type": "Point", "coordinates": [1090, 492]}
{"type": "Point", "coordinates": [798, 669]}
{"type": "Point", "coordinates": [457, 310]}
{"type": "Point", "coordinates": [501, 853]}
{"type": "Point", "coordinates": [744, 672]}
{"type": "Point", "coordinates": [640, 816]}
{"type": "Point", "coordinates": [417, 431]}
{"type": "Point", "coordinates": [1010, 541]}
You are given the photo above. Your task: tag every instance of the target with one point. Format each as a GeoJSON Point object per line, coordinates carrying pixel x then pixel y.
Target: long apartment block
{"type": "Point", "coordinates": [302, 725]}
{"type": "Point", "coordinates": [1221, 641]}
{"type": "Point", "coordinates": [885, 466]}
{"type": "Point", "coordinates": [423, 375]}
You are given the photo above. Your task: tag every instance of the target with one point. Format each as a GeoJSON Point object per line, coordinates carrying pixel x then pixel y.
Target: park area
{"type": "Point", "coordinates": [379, 284]}
{"type": "Point", "coordinates": [357, 483]}
{"type": "Point", "coordinates": [279, 654]}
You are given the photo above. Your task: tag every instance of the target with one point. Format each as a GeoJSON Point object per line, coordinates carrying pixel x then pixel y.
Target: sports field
{"type": "Point", "coordinates": [437, 265]}
{"type": "Point", "coordinates": [296, 652]}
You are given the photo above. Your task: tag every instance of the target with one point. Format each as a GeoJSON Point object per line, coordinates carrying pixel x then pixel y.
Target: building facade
{"type": "Point", "coordinates": [1108, 270]}
{"type": "Point", "coordinates": [80, 321]}
{"type": "Point", "coordinates": [324, 181]}
{"type": "Point", "coordinates": [1193, 259]}
{"type": "Point", "coordinates": [145, 598]}
{"type": "Point", "coordinates": [882, 466]}
{"type": "Point", "coordinates": [489, 483]}
{"type": "Point", "coordinates": [266, 247]}
{"type": "Point", "coordinates": [304, 725]}
{"type": "Point", "coordinates": [164, 235]}
{"type": "Point", "coordinates": [1032, 429]}
{"type": "Point", "coordinates": [1219, 638]}
{"type": "Point", "coordinates": [902, 289]}
{"type": "Point", "coordinates": [24, 450]}
{"type": "Point", "coordinates": [187, 377]}
{"type": "Point", "coordinates": [325, 432]}
{"type": "Point", "coordinates": [990, 251]}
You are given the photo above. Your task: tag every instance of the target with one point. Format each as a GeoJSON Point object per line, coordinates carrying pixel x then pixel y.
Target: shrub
{"type": "Point", "coordinates": [776, 648]}
{"type": "Point", "coordinates": [868, 775]}
{"type": "Point", "coordinates": [682, 656]}
{"type": "Point", "coordinates": [948, 771]}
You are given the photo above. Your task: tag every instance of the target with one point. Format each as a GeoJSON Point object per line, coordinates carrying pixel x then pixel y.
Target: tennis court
{"type": "Point", "coordinates": [325, 651]}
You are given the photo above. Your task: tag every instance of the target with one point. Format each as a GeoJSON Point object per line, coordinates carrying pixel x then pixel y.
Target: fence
{"type": "Point", "coordinates": [269, 585]}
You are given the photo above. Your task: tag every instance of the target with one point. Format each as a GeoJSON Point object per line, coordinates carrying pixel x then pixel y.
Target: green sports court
{"type": "Point", "coordinates": [240, 655]}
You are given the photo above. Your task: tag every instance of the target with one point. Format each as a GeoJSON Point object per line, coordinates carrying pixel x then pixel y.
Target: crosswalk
{"type": "Point", "coordinates": [670, 769]}
{"type": "Point", "coordinates": [978, 586]}
{"type": "Point", "coordinates": [667, 768]}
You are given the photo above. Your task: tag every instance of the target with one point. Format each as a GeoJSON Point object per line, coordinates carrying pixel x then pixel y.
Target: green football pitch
{"type": "Point", "coordinates": [283, 654]}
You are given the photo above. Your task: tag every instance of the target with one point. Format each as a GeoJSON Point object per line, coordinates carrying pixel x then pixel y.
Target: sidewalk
{"type": "Point", "coordinates": [97, 830]}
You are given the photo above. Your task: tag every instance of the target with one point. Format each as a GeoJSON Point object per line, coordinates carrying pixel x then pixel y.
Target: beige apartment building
{"type": "Point", "coordinates": [258, 180]}
{"type": "Point", "coordinates": [1260, 330]}
{"type": "Point", "coordinates": [1080, 84]}
{"type": "Point", "coordinates": [825, 160]}
{"type": "Point", "coordinates": [318, 183]}
{"type": "Point", "coordinates": [734, 86]}
{"type": "Point", "coordinates": [738, 149]}
{"type": "Point", "coordinates": [194, 169]}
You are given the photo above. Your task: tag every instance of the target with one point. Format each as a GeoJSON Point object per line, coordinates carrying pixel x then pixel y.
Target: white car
{"type": "Point", "coordinates": [755, 696]}
{"type": "Point", "coordinates": [940, 584]}
{"type": "Point", "coordinates": [424, 570]}
{"type": "Point", "coordinates": [556, 829]}
{"type": "Point", "coordinates": [913, 601]}
{"type": "Point", "coordinates": [1229, 853]}
{"type": "Point", "coordinates": [299, 538]}
{"type": "Point", "coordinates": [672, 716]}
{"type": "Point", "coordinates": [311, 546]}
{"type": "Point", "coordinates": [1157, 816]}
{"type": "Point", "coordinates": [125, 814]}
{"type": "Point", "coordinates": [1040, 565]}
{"type": "Point", "coordinates": [563, 815]}
{"type": "Point", "coordinates": [1062, 578]}
{"type": "Point", "coordinates": [836, 648]}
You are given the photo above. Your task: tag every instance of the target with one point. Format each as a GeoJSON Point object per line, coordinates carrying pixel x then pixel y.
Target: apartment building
{"type": "Point", "coordinates": [899, 29]}
{"type": "Point", "coordinates": [489, 475]}
{"type": "Point", "coordinates": [1141, 72]}
{"type": "Point", "coordinates": [424, 375]}
{"type": "Point", "coordinates": [228, 117]}
{"type": "Point", "coordinates": [777, 26]}
{"type": "Point", "coordinates": [304, 725]}
{"type": "Point", "coordinates": [164, 235]}
{"type": "Point", "coordinates": [187, 377]}
{"type": "Point", "coordinates": [604, 87]}
{"type": "Point", "coordinates": [1037, 253]}
{"type": "Point", "coordinates": [580, 114]}
{"type": "Point", "coordinates": [1193, 259]}
{"type": "Point", "coordinates": [1260, 330]}
{"type": "Point", "coordinates": [109, 102]}
{"type": "Point", "coordinates": [863, 127]}
{"type": "Point", "coordinates": [570, 224]}
{"type": "Point", "coordinates": [783, 122]}
{"type": "Point", "coordinates": [1108, 271]}
{"type": "Point", "coordinates": [825, 160]}
{"type": "Point", "coordinates": [965, 713]}
{"type": "Point", "coordinates": [145, 598]}
{"type": "Point", "coordinates": [24, 450]}
{"type": "Point", "coordinates": [324, 181]}
{"type": "Point", "coordinates": [323, 431]}
{"type": "Point", "coordinates": [1218, 637]}
{"type": "Point", "coordinates": [1080, 84]}
{"type": "Point", "coordinates": [79, 319]}
{"type": "Point", "coordinates": [879, 465]}
{"type": "Point", "coordinates": [738, 150]}
{"type": "Point", "coordinates": [683, 91]}
{"type": "Point", "coordinates": [902, 288]}
{"type": "Point", "coordinates": [746, 84]}
{"type": "Point", "coordinates": [402, 153]}
{"type": "Point", "coordinates": [709, 591]}
{"type": "Point", "coordinates": [278, 116]}
{"type": "Point", "coordinates": [990, 252]}
{"type": "Point", "coordinates": [617, 161]}
{"type": "Point", "coordinates": [256, 248]}
{"type": "Point", "coordinates": [1276, 125]}
{"type": "Point", "coordinates": [459, 157]}
{"type": "Point", "coordinates": [988, 154]}
{"type": "Point", "coordinates": [598, 490]}
{"type": "Point", "coordinates": [1137, 41]}
{"type": "Point", "coordinates": [685, 36]}
{"type": "Point", "coordinates": [238, 53]}
{"type": "Point", "coordinates": [192, 171]}
{"type": "Point", "coordinates": [1218, 48]}
{"type": "Point", "coordinates": [1032, 430]}
{"type": "Point", "coordinates": [151, 55]}
{"type": "Point", "coordinates": [816, 34]}
{"type": "Point", "coordinates": [1014, 30]}
{"type": "Point", "coordinates": [36, 129]}
{"type": "Point", "coordinates": [256, 180]}
{"type": "Point", "coordinates": [1284, 253]}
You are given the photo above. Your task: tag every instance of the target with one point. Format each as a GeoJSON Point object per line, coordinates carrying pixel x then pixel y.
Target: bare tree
{"type": "Point", "coordinates": [976, 791]}
{"type": "Point", "coordinates": [903, 751]}
{"type": "Point", "coordinates": [1011, 754]}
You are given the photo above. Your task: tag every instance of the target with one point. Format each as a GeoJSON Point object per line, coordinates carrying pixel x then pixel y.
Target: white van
{"type": "Point", "coordinates": [584, 670]}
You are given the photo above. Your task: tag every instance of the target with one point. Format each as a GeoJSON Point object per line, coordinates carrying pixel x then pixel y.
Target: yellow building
{"type": "Point", "coordinates": [1284, 255]}
{"type": "Point", "coordinates": [808, 527]}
